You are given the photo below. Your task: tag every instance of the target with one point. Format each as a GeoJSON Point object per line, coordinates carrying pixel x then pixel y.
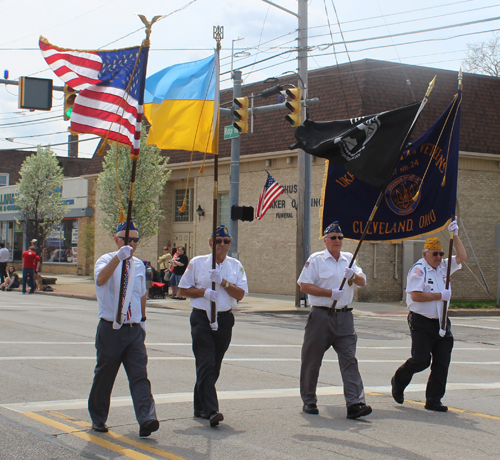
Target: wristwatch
{"type": "Point", "coordinates": [143, 319]}
{"type": "Point", "coordinates": [226, 285]}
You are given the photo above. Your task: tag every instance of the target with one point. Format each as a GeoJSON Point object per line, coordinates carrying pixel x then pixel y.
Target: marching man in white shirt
{"type": "Point", "coordinates": [211, 339]}
{"type": "Point", "coordinates": [425, 293]}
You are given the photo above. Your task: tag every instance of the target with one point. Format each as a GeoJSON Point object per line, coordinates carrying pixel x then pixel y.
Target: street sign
{"type": "Point", "coordinates": [230, 132]}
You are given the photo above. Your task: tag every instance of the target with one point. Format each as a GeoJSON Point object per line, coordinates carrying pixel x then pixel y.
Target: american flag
{"type": "Point", "coordinates": [272, 190]}
{"type": "Point", "coordinates": [111, 90]}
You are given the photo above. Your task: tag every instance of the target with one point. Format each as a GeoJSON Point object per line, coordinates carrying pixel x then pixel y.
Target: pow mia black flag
{"type": "Point", "coordinates": [367, 147]}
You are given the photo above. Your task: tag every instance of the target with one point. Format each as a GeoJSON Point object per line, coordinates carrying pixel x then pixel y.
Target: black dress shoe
{"type": "Point", "coordinates": [439, 407]}
{"type": "Point", "coordinates": [215, 418]}
{"type": "Point", "coordinates": [148, 427]}
{"type": "Point", "coordinates": [100, 427]}
{"type": "Point", "coordinates": [310, 409]}
{"type": "Point", "coordinates": [397, 392]}
{"type": "Point", "coordinates": [200, 414]}
{"type": "Point", "coordinates": [358, 410]}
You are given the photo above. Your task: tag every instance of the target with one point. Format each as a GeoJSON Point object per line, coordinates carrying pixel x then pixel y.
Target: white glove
{"type": "Point", "coordinates": [215, 325]}
{"type": "Point", "coordinates": [453, 227]}
{"type": "Point", "coordinates": [446, 295]}
{"type": "Point", "coordinates": [336, 294]}
{"type": "Point", "coordinates": [211, 295]}
{"type": "Point", "coordinates": [348, 272]}
{"type": "Point", "coordinates": [215, 276]}
{"type": "Point", "coordinates": [143, 325]}
{"type": "Point", "coordinates": [124, 252]}
{"type": "Point", "coordinates": [442, 332]}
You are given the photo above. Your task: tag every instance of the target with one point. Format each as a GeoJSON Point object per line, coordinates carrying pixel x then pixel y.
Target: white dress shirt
{"type": "Point", "coordinates": [322, 270]}
{"type": "Point", "coordinates": [197, 275]}
{"type": "Point", "coordinates": [108, 293]}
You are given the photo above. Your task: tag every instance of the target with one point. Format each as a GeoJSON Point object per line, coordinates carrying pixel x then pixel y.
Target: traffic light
{"type": "Point", "coordinates": [294, 105]}
{"type": "Point", "coordinates": [243, 213]}
{"type": "Point", "coordinates": [69, 100]}
{"type": "Point", "coordinates": [241, 114]}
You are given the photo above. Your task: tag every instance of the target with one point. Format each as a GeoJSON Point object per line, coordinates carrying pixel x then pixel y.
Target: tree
{"type": "Point", "coordinates": [41, 208]}
{"type": "Point", "coordinates": [151, 177]}
{"type": "Point", "coordinates": [484, 57]}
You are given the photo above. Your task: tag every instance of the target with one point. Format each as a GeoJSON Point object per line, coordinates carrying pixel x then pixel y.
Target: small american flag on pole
{"type": "Point", "coordinates": [272, 190]}
{"type": "Point", "coordinates": [111, 90]}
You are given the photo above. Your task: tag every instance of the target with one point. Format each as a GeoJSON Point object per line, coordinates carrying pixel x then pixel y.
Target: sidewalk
{"type": "Point", "coordinates": [82, 287]}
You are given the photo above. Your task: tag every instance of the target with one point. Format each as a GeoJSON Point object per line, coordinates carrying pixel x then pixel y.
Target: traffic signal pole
{"type": "Point", "coordinates": [304, 165]}
{"type": "Point", "coordinates": [234, 174]}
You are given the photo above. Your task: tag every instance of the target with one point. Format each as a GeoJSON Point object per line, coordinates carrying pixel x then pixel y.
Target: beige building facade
{"type": "Point", "coordinates": [267, 248]}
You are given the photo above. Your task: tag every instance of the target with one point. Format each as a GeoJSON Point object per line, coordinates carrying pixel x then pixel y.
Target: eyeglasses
{"type": "Point", "coordinates": [226, 241]}
{"type": "Point", "coordinates": [335, 237]}
{"type": "Point", "coordinates": [436, 253]}
{"type": "Point", "coordinates": [130, 240]}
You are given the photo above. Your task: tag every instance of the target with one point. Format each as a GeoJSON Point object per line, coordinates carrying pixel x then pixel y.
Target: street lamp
{"type": "Point", "coordinates": [200, 212]}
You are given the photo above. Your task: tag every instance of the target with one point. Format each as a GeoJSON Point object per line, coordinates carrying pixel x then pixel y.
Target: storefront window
{"type": "Point", "coordinates": [61, 244]}
{"type": "Point", "coordinates": [7, 236]}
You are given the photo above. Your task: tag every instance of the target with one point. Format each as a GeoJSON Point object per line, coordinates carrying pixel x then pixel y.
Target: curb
{"type": "Point", "coordinates": [478, 312]}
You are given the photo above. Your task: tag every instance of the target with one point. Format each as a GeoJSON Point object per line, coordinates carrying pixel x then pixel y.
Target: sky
{"type": "Point", "coordinates": [431, 33]}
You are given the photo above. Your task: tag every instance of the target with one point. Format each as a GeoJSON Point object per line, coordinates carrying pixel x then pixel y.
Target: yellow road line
{"type": "Point", "coordinates": [451, 409]}
{"type": "Point", "coordinates": [121, 438]}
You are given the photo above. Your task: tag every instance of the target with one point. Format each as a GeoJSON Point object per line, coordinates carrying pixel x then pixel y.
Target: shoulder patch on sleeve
{"type": "Point", "coordinates": [190, 265]}
{"type": "Point", "coordinates": [306, 264]}
{"type": "Point", "coordinates": [242, 269]}
{"type": "Point", "coordinates": [418, 272]}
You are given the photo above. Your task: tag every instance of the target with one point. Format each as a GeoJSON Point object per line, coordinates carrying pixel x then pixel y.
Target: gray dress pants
{"type": "Point", "coordinates": [114, 347]}
{"type": "Point", "coordinates": [321, 333]}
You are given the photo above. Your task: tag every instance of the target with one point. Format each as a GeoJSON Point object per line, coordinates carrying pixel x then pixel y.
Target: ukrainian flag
{"type": "Point", "coordinates": [179, 102]}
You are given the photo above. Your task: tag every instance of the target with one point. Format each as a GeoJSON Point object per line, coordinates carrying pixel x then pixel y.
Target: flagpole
{"type": "Point", "coordinates": [444, 319]}
{"type": "Point", "coordinates": [144, 48]}
{"type": "Point", "coordinates": [218, 36]}
{"type": "Point", "coordinates": [384, 189]}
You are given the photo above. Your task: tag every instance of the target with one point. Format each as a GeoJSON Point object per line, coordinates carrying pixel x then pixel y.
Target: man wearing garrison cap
{"type": "Point", "coordinates": [212, 339]}
{"type": "Point", "coordinates": [321, 278]}
{"type": "Point", "coordinates": [122, 342]}
{"type": "Point", "coordinates": [425, 293]}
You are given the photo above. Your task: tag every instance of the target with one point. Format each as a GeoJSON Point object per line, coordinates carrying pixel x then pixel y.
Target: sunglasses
{"type": "Point", "coordinates": [226, 241]}
{"type": "Point", "coordinates": [130, 240]}
{"type": "Point", "coordinates": [436, 253]}
{"type": "Point", "coordinates": [335, 237]}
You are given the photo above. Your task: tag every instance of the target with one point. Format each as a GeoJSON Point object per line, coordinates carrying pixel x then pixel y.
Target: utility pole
{"type": "Point", "coordinates": [234, 174]}
{"type": "Point", "coordinates": [304, 165]}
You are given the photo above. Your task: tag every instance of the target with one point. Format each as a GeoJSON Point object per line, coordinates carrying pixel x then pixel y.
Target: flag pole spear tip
{"type": "Point", "coordinates": [460, 78]}
{"type": "Point", "coordinates": [148, 24]}
{"type": "Point", "coordinates": [431, 86]}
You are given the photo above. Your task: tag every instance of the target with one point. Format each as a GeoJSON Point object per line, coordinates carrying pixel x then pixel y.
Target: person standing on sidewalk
{"type": "Point", "coordinates": [30, 263]}
{"type": "Point", "coordinates": [425, 293]}
{"type": "Point", "coordinates": [321, 278]}
{"type": "Point", "coordinates": [163, 261]}
{"type": "Point", "coordinates": [180, 264]}
{"type": "Point", "coordinates": [211, 339]}
{"type": "Point", "coordinates": [4, 258]}
{"type": "Point", "coordinates": [117, 344]}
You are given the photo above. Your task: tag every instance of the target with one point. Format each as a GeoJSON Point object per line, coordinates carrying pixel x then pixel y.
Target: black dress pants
{"type": "Point", "coordinates": [114, 347]}
{"type": "Point", "coordinates": [427, 345]}
{"type": "Point", "coordinates": [209, 348]}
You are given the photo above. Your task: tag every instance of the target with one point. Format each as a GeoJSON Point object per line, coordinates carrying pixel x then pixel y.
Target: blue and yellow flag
{"type": "Point", "coordinates": [182, 104]}
{"type": "Point", "coordinates": [421, 195]}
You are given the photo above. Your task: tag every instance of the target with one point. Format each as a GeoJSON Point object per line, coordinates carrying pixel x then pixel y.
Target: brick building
{"type": "Point", "coordinates": [267, 247]}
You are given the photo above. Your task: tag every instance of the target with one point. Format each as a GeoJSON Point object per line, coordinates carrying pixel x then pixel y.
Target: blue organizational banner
{"type": "Point", "coordinates": [421, 195]}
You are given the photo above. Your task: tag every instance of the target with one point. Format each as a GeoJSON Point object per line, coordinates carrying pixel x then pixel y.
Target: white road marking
{"type": "Point", "coordinates": [236, 345]}
{"type": "Point", "coordinates": [187, 397]}
{"type": "Point", "coordinates": [256, 360]}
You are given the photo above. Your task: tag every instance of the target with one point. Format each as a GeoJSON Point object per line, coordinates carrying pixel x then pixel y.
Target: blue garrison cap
{"type": "Point", "coordinates": [333, 227]}
{"type": "Point", "coordinates": [123, 226]}
{"type": "Point", "coordinates": [221, 231]}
